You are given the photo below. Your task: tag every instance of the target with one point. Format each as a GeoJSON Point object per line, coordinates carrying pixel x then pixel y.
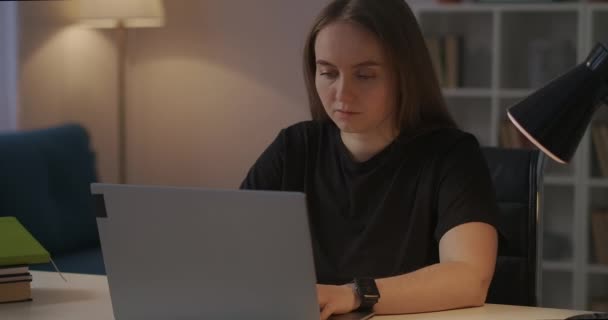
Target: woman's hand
{"type": "Point", "coordinates": [336, 300]}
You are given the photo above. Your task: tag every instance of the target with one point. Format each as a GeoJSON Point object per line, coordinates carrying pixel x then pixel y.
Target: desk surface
{"type": "Point", "coordinates": [87, 297]}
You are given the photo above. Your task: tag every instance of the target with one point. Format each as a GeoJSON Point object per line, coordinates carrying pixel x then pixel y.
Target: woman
{"type": "Point", "coordinates": [396, 193]}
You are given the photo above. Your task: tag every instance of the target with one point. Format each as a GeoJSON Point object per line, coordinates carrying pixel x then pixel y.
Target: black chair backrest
{"type": "Point", "coordinates": [517, 176]}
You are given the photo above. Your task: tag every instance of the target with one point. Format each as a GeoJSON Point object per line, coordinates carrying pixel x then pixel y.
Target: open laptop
{"type": "Point", "coordinates": [191, 253]}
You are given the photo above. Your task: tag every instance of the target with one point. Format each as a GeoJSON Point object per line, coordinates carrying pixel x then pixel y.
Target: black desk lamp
{"type": "Point", "coordinates": [556, 116]}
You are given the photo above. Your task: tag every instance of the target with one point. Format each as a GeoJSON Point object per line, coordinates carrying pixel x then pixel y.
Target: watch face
{"type": "Point", "coordinates": [367, 288]}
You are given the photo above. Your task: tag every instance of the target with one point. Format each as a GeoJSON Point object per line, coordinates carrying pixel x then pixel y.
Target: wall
{"type": "Point", "coordinates": [205, 94]}
{"type": "Point", "coordinates": [214, 87]}
{"type": "Point", "coordinates": [67, 75]}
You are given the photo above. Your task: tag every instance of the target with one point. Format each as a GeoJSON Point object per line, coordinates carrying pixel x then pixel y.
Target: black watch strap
{"type": "Point", "coordinates": [367, 292]}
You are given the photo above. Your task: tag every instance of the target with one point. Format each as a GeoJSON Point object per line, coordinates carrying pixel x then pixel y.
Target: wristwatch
{"type": "Point", "coordinates": [367, 292]}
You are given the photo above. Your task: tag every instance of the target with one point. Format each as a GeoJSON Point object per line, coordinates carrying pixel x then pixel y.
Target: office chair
{"type": "Point", "coordinates": [517, 177]}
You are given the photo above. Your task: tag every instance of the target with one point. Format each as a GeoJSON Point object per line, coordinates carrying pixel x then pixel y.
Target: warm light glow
{"type": "Point", "coordinates": [131, 13]}
{"type": "Point", "coordinates": [536, 143]}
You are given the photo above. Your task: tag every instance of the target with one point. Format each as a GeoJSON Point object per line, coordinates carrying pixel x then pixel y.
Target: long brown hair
{"type": "Point", "coordinates": [420, 103]}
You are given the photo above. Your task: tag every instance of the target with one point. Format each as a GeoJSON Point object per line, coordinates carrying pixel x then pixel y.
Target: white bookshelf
{"type": "Point", "coordinates": [500, 67]}
{"type": "Point", "coordinates": [558, 180]}
{"type": "Point", "coordinates": [557, 266]}
{"type": "Point", "coordinates": [467, 93]}
{"type": "Point", "coordinates": [597, 269]}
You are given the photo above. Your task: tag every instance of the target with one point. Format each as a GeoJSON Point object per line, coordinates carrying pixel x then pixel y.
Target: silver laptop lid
{"type": "Point", "coordinates": [189, 253]}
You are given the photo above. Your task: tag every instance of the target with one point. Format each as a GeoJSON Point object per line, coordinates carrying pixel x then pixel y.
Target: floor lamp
{"type": "Point", "coordinates": [120, 15]}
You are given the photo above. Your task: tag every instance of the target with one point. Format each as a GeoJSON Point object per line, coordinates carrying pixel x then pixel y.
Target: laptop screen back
{"type": "Point", "coordinates": [187, 253]}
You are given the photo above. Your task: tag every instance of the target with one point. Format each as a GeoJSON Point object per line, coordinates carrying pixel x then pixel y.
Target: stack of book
{"type": "Point", "coordinates": [15, 284]}
{"type": "Point", "coordinates": [599, 135]}
{"type": "Point", "coordinates": [18, 249]}
{"type": "Point", "coordinates": [447, 53]}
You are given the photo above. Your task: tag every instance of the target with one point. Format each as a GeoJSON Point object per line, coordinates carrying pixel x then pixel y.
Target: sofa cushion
{"type": "Point", "coordinates": [45, 178]}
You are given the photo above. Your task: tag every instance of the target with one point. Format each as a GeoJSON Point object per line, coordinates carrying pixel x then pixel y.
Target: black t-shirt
{"type": "Point", "coordinates": [385, 216]}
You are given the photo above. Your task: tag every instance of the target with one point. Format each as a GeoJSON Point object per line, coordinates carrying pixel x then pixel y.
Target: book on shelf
{"type": "Point", "coordinates": [433, 45]}
{"type": "Point", "coordinates": [453, 60]}
{"type": "Point", "coordinates": [511, 138]}
{"type": "Point", "coordinates": [599, 136]}
{"type": "Point", "coordinates": [599, 233]}
{"type": "Point", "coordinates": [18, 249]}
{"type": "Point", "coordinates": [447, 53]}
{"type": "Point", "coordinates": [556, 246]}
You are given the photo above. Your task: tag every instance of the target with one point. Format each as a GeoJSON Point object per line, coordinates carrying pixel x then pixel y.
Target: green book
{"type": "Point", "coordinates": [18, 246]}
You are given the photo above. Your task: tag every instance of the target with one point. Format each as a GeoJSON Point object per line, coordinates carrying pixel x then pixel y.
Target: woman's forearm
{"type": "Point", "coordinates": [441, 286]}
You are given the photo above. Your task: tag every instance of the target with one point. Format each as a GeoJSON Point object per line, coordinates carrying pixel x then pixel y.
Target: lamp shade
{"type": "Point", "coordinates": [556, 116]}
{"type": "Point", "coordinates": [129, 13]}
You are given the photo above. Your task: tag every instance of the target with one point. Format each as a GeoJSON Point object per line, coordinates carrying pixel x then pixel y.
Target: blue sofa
{"type": "Point", "coordinates": [45, 178]}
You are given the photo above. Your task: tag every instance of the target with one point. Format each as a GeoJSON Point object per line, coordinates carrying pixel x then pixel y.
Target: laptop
{"type": "Point", "coordinates": [193, 253]}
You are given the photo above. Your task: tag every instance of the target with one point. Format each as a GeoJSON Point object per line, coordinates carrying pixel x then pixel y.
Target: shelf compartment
{"type": "Point", "coordinates": [467, 92]}
{"type": "Point", "coordinates": [597, 292]}
{"type": "Point", "coordinates": [475, 44]}
{"type": "Point", "coordinates": [557, 217]}
{"type": "Point", "coordinates": [598, 227]}
{"type": "Point", "coordinates": [516, 94]}
{"type": "Point", "coordinates": [551, 180]}
{"type": "Point", "coordinates": [500, 7]}
{"type": "Point", "coordinates": [573, 5]}
{"type": "Point", "coordinates": [599, 28]}
{"type": "Point", "coordinates": [598, 140]}
{"type": "Point", "coordinates": [537, 47]}
{"type": "Point", "coordinates": [556, 289]}
{"type": "Point", "coordinates": [597, 269]}
{"type": "Point", "coordinates": [599, 198]}
{"type": "Point", "coordinates": [599, 182]}
{"type": "Point", "coordinates": [599, 7]}
{"type": "Point", "coordinates": [549, 265]}
{"type": "Point", "coordinates": [434, 7]}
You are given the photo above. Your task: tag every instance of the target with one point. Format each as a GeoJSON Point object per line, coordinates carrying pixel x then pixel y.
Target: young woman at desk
{"type": "Point", "coordinates": [398, 197]}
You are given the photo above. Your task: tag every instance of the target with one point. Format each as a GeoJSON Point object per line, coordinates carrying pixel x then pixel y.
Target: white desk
{"type": "Point", "coordinates": [84, 297]}
{"type": "Point", "coordinates": [87, 297]}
